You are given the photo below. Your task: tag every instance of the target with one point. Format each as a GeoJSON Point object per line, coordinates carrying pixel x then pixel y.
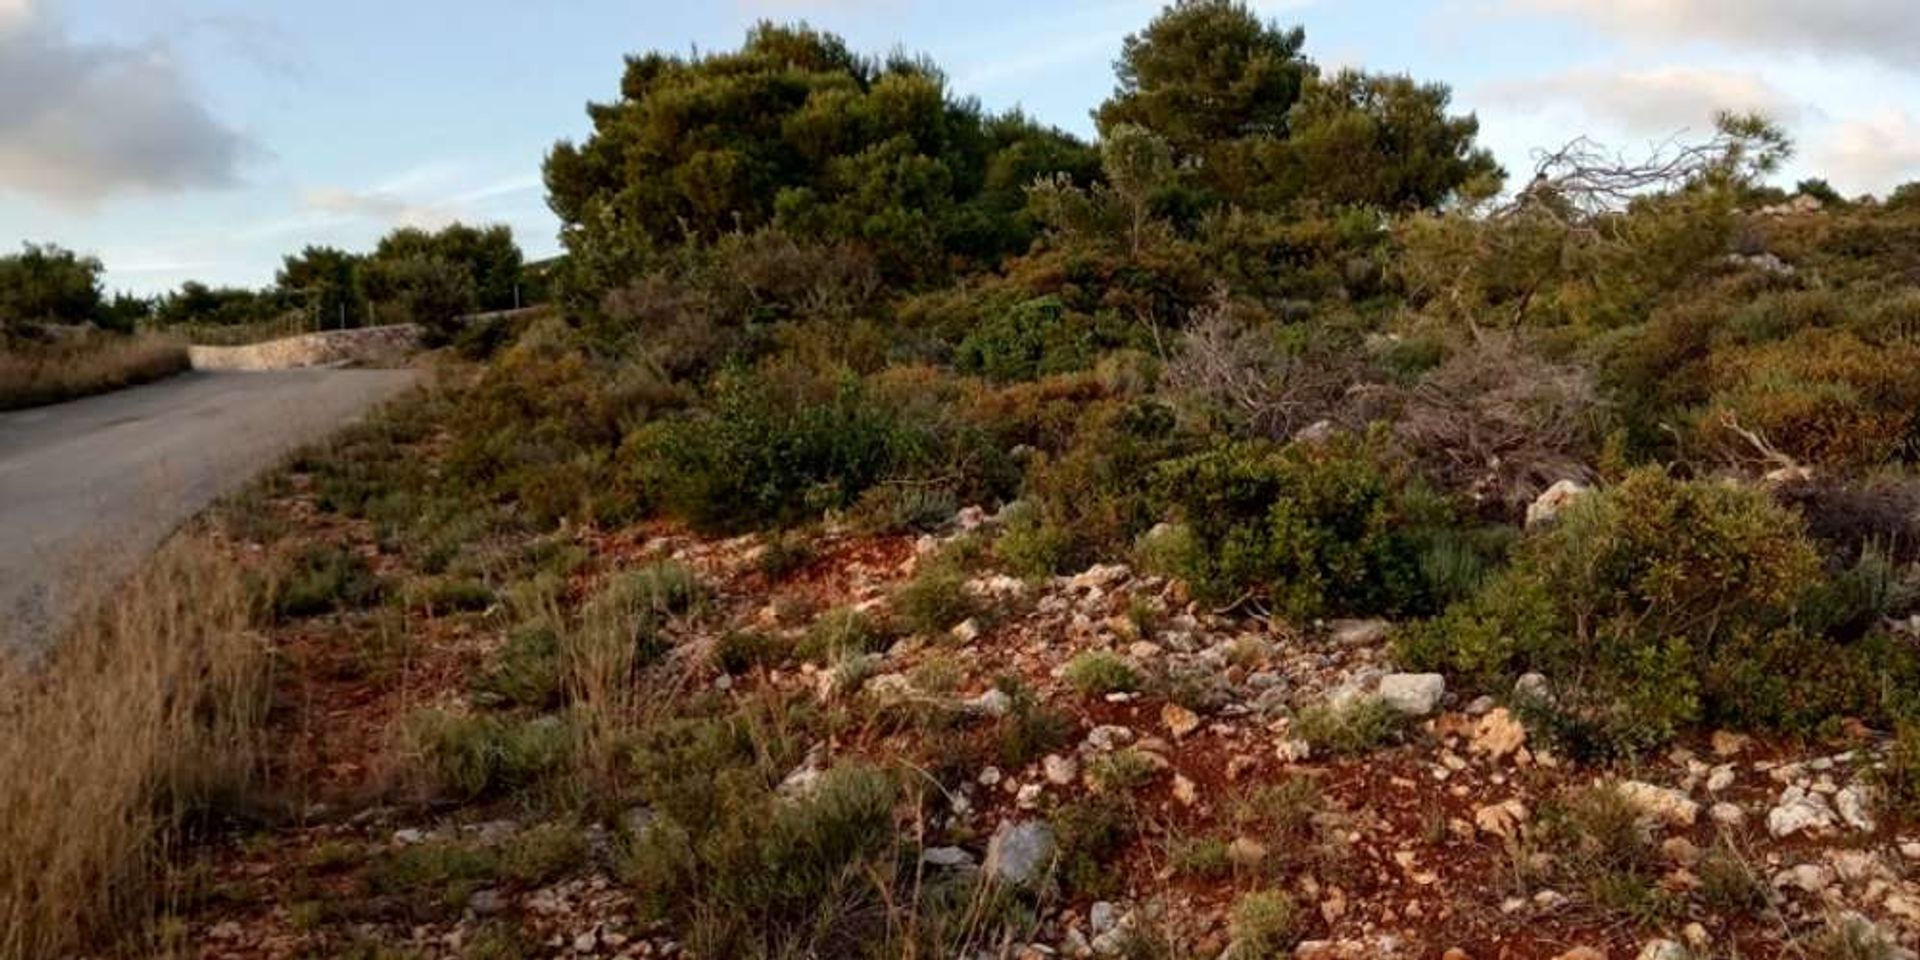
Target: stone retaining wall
{"type": "Point", "coordinates": [389, 346]}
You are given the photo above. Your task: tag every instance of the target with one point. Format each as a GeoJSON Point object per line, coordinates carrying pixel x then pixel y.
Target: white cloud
{"type": "Point", "coordinates": [15, 13]}
{"type": "Point", "coordinates": [1873, 153]}
{"type": "Point", "coordinates": [82, 121]}
{"type": "Point", "coordinates": [1659, 101]}
{"type": "Point", "coordinates": [1884, 30]}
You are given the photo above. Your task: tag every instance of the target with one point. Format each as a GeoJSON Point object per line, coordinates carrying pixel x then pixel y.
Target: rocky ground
{"type": "Point", "coordinates": [1441, 827]}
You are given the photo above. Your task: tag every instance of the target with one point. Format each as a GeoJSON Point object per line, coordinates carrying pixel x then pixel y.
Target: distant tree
{"type": "Point", "coordinates": [197, 303]}
{"type": "Point", "coordinates": [431, 291]}
{"type": "Point", "coordinates": [488, 254]}
{"type": "Point", "coordinates": [44, 283]}
{"type": "Point", "coordinates": [1207, 72]}
{"type": "Point", "coordinates": [125, 312]}
{"type": "Point", "coordinates": [325, 281]}
{"type": "Point", "coordinates": [1254, 123]}
{"type": "Point", "coordinates": [794, 130]}
{"type": "Point", "coordinates": [1905, 196]}
{"type": "Point", "coordinates": [1383, 141]}
{"type": "Point", "coordinates": [1820, 190]}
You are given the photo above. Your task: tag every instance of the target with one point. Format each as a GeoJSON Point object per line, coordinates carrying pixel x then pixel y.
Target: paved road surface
{"type": "Point", "coordinates": [88, 487]}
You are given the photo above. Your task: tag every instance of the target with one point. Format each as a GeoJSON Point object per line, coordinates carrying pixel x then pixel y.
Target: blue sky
{"type": "Point", "coordinates": [205, 138]}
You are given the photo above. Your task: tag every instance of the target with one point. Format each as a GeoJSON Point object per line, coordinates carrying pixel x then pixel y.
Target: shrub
{"type": "Point", "coordinates": [1354, 728]}
{"type": "Point", "coordinates": [839, 633]}
{"type": "Point", "coordinates": [770, 449]}
{"type": "Point", "coordinates": [1030, 728]}
{"type": "Point", "coordinates": [525, 671]}
{"type": "Point", "coordinates": [762, 876]}
{"type": "Point", "coordinates": [935, 599]}
{"type": "Point", "coordinates": [325, 578]}
{"type": "Point", "coordinates": [1034, 339]}
{"type": "Point", "coordinates": [1262, 925]}
{"type": "Point", "coordinates": [1092, 498]}
{"type": "Point", "coordinates": [1099, 672]}
{"type": "Point", "coordinates": [1315, 529]}
{"type": "Point", "coordinates": [1673, 602]}
{"type": "Point", "coordinates": [468, 757]}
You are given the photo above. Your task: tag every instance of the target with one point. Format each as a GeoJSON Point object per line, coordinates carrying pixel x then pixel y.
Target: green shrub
{"type": "Point", "coordinates": [441, 595]}
{"type": "Point", "coordinates": [1034, 339]}
{"type": "Point", "coordinates": [1030, 545]}
{"type": "Point", "coordinates": [839, 633]}
{"type": "Point", "coordinates": [1357, 727]}
{"type": "Point", "coordinates": [324, 578]}
{"type": "Point", "coordinates": [1673, 603]}
{"type": "Point", "coordinates": [469, 757]}
{"type": "Point", "coordinates": [1100, 672]}
{"type": "Point", "coordinates": [771, 448]}
{"type": "Point", "coordinates": [438, 875]}
{"type": "Point", "coordinates": [1314, 529]}
{"type": "Point", "coordinates": [935, 599]}
{"type": "Point", "coordinates": [760, 876]}
{"type": "Point", "coordinates": [544, 852]}
{"type": "Point", "coordinates": [525, 671]}
{"type": "Point", "coordinates": [1030, 729]}
{"type": "Point", "coordinates": [1262, 925]}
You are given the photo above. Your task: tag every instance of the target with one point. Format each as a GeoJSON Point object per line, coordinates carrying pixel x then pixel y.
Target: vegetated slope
{"type": "Point", "coordinates": [1271, 542]}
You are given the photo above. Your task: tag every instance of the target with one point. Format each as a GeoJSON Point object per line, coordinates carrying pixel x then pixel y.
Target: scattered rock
{"type": "Point", "coordinates": [1179, 720]}
{"type": "Point", "coordinates": [1855, 806]}
{"type": "Point", "coordinates": [1246, 851]}
{"type": "Point", "coordinates": [1583, 953]}
{"type": "Point", "coordinates": [993, 703]}
{"type": "Point", "coordinates": [1799, 811]}
{"type": "Point", "coordinates": [1661, 803]}
{"type": "Point", "coordinates": [1102, 917]}
{"type": "Point", "coordinates": [1020, 852]}
{"type": "Point", "coordinates": [948, 857]}
{"type": "Point", "coordinates": [1806, 877]}
{"type": "Point", "coordinates": [1663, 950]}
{"type": "Point", "coordinates": [1727, 814]}
{"type": "Point", "coordinates": [1547, 507]}
{"type": "Point", "coordinates": [1532, 688]}
{"type": "Point", "coordinates": [1501, 819]}
{"type": "Point", "coordinates": [1060, 771]}
{"type": "Point", "coordinates": [1726, 743]}
{"type": "Point", "coordinates": [1185, 791]}
{"type": "Point", "coordinates": [1316, 433]}
{"type": "Point", "coordinates": [1498, 735]}
{"type": "Point", "coordinates": [1413, 694]}
{"type": "Point", "coordinates": [1358, 633]}
{"type": "Point", "coordinates": [486, 903]}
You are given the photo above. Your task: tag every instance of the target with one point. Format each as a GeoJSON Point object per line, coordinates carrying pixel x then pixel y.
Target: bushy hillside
{"type": "Point", "coordinates": [920, 534]}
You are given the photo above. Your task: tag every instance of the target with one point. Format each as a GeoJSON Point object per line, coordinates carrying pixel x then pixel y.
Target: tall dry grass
{"type": "Point", "coordinates": [148, 712]}
{"type": "Point", "coordinates": [34, 373]}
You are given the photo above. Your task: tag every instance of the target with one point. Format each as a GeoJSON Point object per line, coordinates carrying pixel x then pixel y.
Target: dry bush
{"type": "Point", "coordinates": [1236, 370]}
{"type": "Point", "coordinates": [36, 373]}
{"type": "Point", "coordinates": [1499, 421]}
{"type": "Point", "coordinates": [145, 716]}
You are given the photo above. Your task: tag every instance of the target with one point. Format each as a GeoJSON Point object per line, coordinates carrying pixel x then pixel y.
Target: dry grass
{"type": "Point", "coordinates": [147, 715]}
{"type": "Point", "coordinates": [36, 373]}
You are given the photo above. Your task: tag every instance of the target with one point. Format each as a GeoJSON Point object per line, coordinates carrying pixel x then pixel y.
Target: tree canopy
{"type": "Point", "coordinates": [796, 130]}
{"type": "Point", "coordinates": [44, 283]}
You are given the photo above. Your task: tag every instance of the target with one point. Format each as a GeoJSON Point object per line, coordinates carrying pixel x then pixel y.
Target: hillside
{"type": "Point", "coordinates": [1268, 532]}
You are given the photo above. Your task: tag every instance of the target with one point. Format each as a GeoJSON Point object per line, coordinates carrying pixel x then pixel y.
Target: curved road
{"type": "Point", "coordinates": [88, 487]}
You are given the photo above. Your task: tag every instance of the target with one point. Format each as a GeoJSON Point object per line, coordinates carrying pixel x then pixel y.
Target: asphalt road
{"type": "Point", "coordinates": [89, 487]}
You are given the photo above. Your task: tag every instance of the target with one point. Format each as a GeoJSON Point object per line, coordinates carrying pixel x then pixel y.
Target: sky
{"type": "Point", "coordinates": [204, 139]}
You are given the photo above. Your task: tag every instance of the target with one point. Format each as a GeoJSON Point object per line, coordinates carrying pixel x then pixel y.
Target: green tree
{"type": "Point", "coordinates": [794, 130]}
{"type": "Point", "coordinates": [1383, 141]}
{"type": "Point", "coordinates": [1207, 72]}
{"type": "Point", "coordinates": [488, 256]}
{"type": "Point", "coordinates": [44, 283]}
{"type": "Point", "coordinates": [431, 291]}
{"type": "Point", "coordinates": [326, 280]}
